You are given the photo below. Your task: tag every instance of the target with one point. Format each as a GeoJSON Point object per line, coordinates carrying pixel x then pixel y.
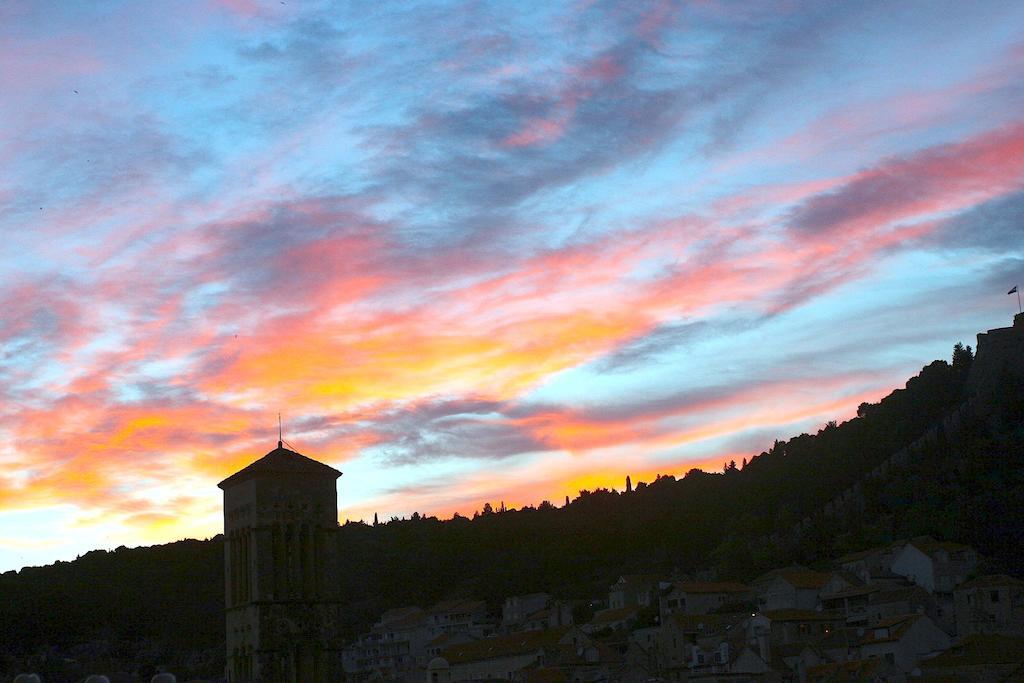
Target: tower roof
{"type": "Point", "coordinates": [281, 461]}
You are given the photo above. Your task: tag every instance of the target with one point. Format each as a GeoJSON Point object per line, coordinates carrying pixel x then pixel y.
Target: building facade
{"type": "Point", "coordinates": [280, 518]}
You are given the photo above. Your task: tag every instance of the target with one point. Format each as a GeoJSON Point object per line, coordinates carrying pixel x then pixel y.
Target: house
{"type": "Point", "coordinates": [856, 671]}
{"type": "Point", "coordinates": [869, 565]}
{"type": "Point", "coordinates": [647, 637]}
{"type": "Point", "coordinates": [453, 616]}
{"type": "Point", "coordinates": [446, 641]}
{"type": "Point", "coordinates": [791, 588]}
{"type": "Point", "coordinates": [990, 604]}
{"type": "Point", "coordinates": [541, 674]}
{"type": "Point", "coordinates": [903, 641]}
{"type": "Point", "coordinates": [795, 625]}
{"type": "Point", "coordinates": [936, 566]}
{"type": "Point", "coordinates": [639, 664]}
{"type": "Point", "coordinates": [730, 660]}
{"type": "Point", "coordinates": [680, 633]}
{"type": "Point", "coordinates": [557, 613]}
{"type": "Point", "coordinates": [613, 619]}
{"type": "Point", "coordinates": [396, 643]}
{"type": "Point", "coordinates": [596, 661]}
{"type": "Point", "coordinates": [840, 580]}
{"type": "Point", "coordinates": [406, 638]}
{"type": "Point", "coordinates": [892, 602]}
{"type": "Point", "coordinates": [800, 657]}
{"type": "Point", "coordinates": [700, 597]}
{"type": "Point", "coordinates": [517, 607]}
{"type": "Point", "coordinates": [853, 603]}
{"type": "Point", "coordinates": [633, 590]}
{"type": "Point", "coordinates": [979, 658]}
{"type": "Point", "coordinates": [505, 657]}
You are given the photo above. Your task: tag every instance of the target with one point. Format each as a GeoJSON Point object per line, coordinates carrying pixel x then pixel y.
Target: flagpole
{"type": "Point", "coordinates": [1018, 300]}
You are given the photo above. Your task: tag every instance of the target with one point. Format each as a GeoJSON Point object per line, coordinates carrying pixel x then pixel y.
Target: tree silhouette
{"type": "Point", "coordinates": [963, 356]}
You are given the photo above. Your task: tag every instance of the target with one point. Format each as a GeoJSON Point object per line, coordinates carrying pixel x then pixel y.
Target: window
{"type": "Point", "coordinates": [993, 596]}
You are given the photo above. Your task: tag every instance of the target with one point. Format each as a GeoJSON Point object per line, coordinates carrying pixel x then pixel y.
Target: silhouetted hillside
{"type": "Point", "coordinates": [135, 608]}
{"type": "Point", "coordinates": [163, 604]}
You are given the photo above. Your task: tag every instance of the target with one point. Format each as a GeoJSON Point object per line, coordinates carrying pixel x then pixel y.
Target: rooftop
{"type": "Point", "coordinates": [774, 573]}
{"type": "Point", "coordinates": [610, 616]}
{"type": "Point", "coordinates": [888, 630]}
{"type": "Point", "coordinates": [457, 606]}
{"type": "Point", "coordinates": [858, 670]}
{"type": "Point", "coordinates": [929, 545]}
{"type": "Point", "coordinates": [711, 587]}
{"type": "Point", "coordinates": [805, 579]}
{"type": "Point", "coordinates": [981, 649]}
{"type": "Point", "coordinates": [864, 554]}
{"type": "Point", "coordinates": [281, 461]}
{"type": "Point", "coordinates": [992, 581]}
{"type": "Point", "coordinates": [706, 623]}
{"type": "Point", "coordinates": [801, 615]}
{"type": "Point", "coordinates": [506, 646]}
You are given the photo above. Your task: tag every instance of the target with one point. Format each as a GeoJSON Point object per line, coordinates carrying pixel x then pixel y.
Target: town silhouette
{"type": "Point", "coordinates": [901, 562]}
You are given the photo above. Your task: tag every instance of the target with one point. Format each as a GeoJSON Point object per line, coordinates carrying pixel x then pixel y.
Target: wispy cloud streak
{"type": "Point", "coordinates": [474, 253]}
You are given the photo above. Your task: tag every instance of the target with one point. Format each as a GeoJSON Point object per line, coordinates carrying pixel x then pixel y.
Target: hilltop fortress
{"type": "Point", "coordinates": [281, 550]}
{"type": "Point", "coordinates": [999, 357]}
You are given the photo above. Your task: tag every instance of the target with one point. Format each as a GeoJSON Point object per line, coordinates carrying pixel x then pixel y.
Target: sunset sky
{"type": "Point", "coordinates": [476, 251]}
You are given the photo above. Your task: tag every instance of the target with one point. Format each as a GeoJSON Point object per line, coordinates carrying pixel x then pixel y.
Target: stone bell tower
{"type": "Point", "coordinates": [280, 519]}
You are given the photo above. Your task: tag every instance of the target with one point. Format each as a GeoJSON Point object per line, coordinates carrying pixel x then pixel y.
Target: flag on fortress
{"type": "Point", "coordinates": [1013, 290]}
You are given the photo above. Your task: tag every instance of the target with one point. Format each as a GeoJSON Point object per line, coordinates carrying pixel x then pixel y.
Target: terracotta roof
{"type": "Point", "coordinates": [505, 646]}
{"type": "Point", "coordinates": [609, 616]}
{"type": "Point", "coordinates": [992, 581]}
{"type": "Point", "coordinates": [458, 605]}
{"type": "Point", "coordinates": [862, 554]}
{"type": "Point", "coordinates": [851, 592]}
{"type": "Point", "coordinates": [528, 596]}
{"type": "Point", "coordinates": [849, 577]}
{"type": "Point", "coordinates": [859, 670]}
{"type": "Point", "coordinates": [281, 461]}
{"type": "Point", "coordinates": [439, 640]}
{"type": "Point", "coordinates": [900, 595]}
{"type": "Point", "coordinates": [399, 613]}
{"type": "Point", "coordinates": [806, 579]}
{"type": "Point", "coordinates": [790, 650]}
{"type": "Point", "coordinates": [895, 627]}
{"type": "Point", "coordinates": [929, 545]}
{"type": "Point", "coordinates": [712, 587]}
{"type": "Point", "coordinates": [547, 674]}
{"type": "Point", "coordinates": [801, 615]}
{"type": "Point", "coordinates": [768, 576]}
{"type": "Point", "coordinates": [402, 617]}
{"type": "Point", "coordinates": [539, 614]}
{"type": "Point", "coordinates": [706, 622]}
{"type": "Point", "coordinates": [980, 649]}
